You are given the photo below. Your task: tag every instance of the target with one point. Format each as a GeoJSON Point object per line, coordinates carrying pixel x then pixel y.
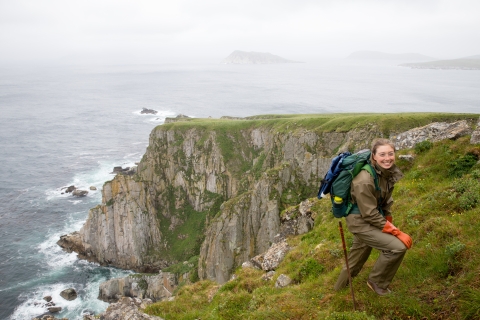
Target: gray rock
{"type": "Point", "coordinates": [47, 298]}
{"type": "Point", "coordinates": [282, 281]}
{"type": "Point", "coordinates": [148, 111]}
{"type": "Point", "coordinates": [128, 308]}
{"type": "Point", "coordinates": [69, 189]}
{"type": "Point", "coordinates": [433, 132]}
{"type": "Point", "coordinates": [69, 294]}
{"type": "Point", "coordinates": [54, 309]}
{"type": "Point", "coordinates": [93, 188]}
{"type": "Point", "coordinates": [270, 259]}
{"type": "Point", "coordinates": [79, 193]}
{"type": "Point", "coordinates": [144, 286]}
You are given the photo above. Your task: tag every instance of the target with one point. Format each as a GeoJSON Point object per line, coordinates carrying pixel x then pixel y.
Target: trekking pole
{"type": "Point", "coordinates": [346, 263]}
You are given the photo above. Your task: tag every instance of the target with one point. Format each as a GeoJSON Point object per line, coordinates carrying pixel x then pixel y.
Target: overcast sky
{"type": "Point", "coordinates": [162, 31]}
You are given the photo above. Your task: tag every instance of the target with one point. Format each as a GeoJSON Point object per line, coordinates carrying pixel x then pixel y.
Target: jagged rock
{"type": "Point", "coordinates": [270, 259]}
{"type": "Point", "coordinates": [79, 193]}
{"type": "Point", "coordinates": [69, 189]}
{"type": "Point", "coordinates": [128, 308]}
{"type": "Point", "coordinates": [148, 111]}
{"type": "Point", "coordinates": [93, 188]}
{"type": "Point", "coordinates": [127, 170]}
{"type": "Point", "coordinates": [155, 287]}
{"type": "Point", "coordinates": [475, 139]}
{"type": "Point", "coordinates": [69, 294]}
{"type": "Point", "coordinates": [47, 298]}
{"type": "Point", "coordinates": [72, 242]}
{"type": "Point", "coordinates": [433, 132]}
{"type": "Point", "coordinates": [282, 281]}
{"type": "Point", "coordinates": [296, 220]}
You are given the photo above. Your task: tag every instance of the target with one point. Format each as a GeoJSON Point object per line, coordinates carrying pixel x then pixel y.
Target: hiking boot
{"type": "Point", "coordinates": [377, 289]}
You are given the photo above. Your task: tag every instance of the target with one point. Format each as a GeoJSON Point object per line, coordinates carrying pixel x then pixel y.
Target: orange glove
{"type": "Point", "coordinates": [389, 219]}
{"type": "Point", "coordinates": [405, 238]}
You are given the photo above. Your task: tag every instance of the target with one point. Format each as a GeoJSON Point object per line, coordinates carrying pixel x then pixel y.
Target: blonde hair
{"type": "Point", "coordinates": [378, 143]}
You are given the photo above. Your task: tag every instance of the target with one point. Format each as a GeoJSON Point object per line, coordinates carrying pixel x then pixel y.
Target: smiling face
{"type": "Point", "coordinates": [384, 156]}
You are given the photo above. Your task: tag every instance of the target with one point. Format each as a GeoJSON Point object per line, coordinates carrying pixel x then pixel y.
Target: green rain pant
{"type": "Point", "coordinates": [392, 252]}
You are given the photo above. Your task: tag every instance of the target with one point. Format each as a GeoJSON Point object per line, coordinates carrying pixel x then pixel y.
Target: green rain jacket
{"type": "Point", "coordinates": [364, 194]}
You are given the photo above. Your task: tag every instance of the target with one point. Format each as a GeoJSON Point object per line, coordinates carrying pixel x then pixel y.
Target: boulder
{"type": "Point", "coordinates": [47, 298]}
{"type": "Point", "coordinates": [69, 189]}
{"type": "Point", "coordinates": [283, 281]}
{"type": "Point", "coordinates": [148, 111]}
{"type": "Point", "coordinates": [79, 193]}
{"type": "Point", "coordinates": [93, 188]}
{"type": "Point", "coordinates": [69, 294]}
{"type": "Point", "coordinates": [270, 259]}
{"type": "Point", "coordinates": [54, 309]}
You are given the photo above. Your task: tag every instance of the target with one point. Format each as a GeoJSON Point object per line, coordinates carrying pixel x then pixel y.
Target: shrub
{"type": "Point", "coordinates": [308, 269]}
{"type": "Point", "coordinates": [461, 165]}
{"type": "Point", "coordinates": [423, 146]}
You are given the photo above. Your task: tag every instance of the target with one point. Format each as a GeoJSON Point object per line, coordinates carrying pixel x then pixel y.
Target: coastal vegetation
{"type": "Point", "coordinates": [437, 203]}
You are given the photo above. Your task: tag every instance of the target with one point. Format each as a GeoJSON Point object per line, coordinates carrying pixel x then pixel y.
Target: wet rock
{"type": "Point", "coordinates": [148, 111]}
{"type": "Point", "coordinates": [93, 188]}
{"type": "Point", "coordinates": [79, 193]}
{"type": "Point", "coordinates": [69, 294]}
{"type": "Point", "coordinates": [54, 309]}
{"type": "Point", "coordinates": [69, 189]}
{"type": "Point", "coordinates": [47, 298]}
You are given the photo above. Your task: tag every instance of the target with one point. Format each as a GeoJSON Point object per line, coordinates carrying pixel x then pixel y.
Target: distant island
{"type": "Point", "coordinates": [376, 55]}
{"type": "Point", "coordinates": [467, 63]}
{"type": "Point", "coordinates": [243, 57]}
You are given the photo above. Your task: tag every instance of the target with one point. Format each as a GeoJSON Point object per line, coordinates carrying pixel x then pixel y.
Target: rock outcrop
{"type": "Point", "coordinates": [217, 190]}
{"type": "Point", "coordinates": [155, 287]}
{"type": "Point", "coordinates": [433, 132]}
{"type": "Point", "coordinates": [126, 308]}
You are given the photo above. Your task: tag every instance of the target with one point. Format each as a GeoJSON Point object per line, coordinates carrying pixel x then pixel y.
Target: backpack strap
{"type": "Point", "coordinates": [354, 207]}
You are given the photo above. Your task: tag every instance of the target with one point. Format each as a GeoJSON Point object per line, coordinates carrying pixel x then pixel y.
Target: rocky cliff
{"type": "Point", "coordinates": [214, 188]}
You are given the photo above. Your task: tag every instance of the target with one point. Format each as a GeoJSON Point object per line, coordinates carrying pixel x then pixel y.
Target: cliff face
{"type": "Point", "coordinates": [213, 189]}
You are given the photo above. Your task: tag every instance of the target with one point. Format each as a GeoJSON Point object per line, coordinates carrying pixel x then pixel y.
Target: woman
{"type": "Point", "coordinates": [371, 228]}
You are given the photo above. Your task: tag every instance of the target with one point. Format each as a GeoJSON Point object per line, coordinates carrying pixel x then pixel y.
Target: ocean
{"type": "Point", "coordinates": [70, 125]}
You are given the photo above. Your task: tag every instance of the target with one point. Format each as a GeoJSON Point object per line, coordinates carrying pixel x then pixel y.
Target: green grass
{"type": "Point", "coordinates": [340, 122]}
{"type": "Point", "coordinates": [438, 278]}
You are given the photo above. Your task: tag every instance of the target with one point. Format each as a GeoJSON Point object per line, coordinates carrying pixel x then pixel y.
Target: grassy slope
{"type": "Point", "coordinates": [435, 203]}
{"type": "Point", "coordinates": [340, 122]}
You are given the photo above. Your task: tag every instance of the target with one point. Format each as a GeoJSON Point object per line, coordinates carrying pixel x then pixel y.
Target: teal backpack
{"type": "Point", "coordinates": [340, 184]}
